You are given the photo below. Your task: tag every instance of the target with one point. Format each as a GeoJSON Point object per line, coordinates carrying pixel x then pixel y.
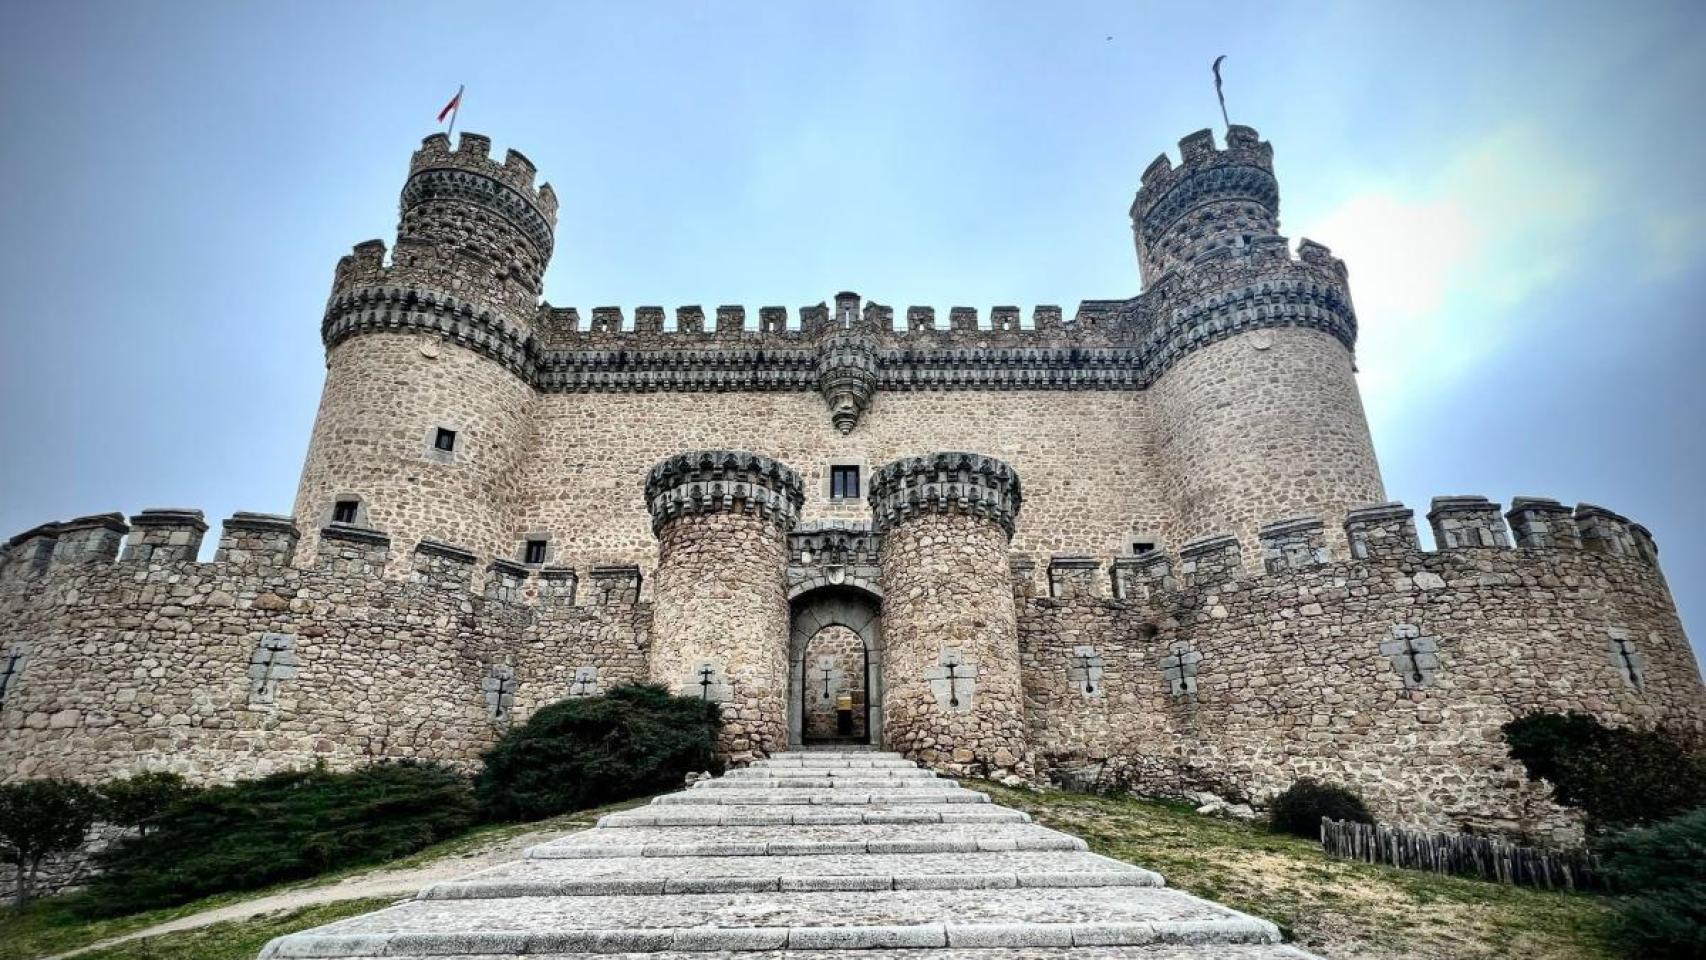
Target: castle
{"type": "Point", "coordinates": [1166, 559]}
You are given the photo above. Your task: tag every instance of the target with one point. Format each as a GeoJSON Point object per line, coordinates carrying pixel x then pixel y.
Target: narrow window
{"type": "Point", "coordinates": [344, 511]}
{"type": "Point", "coordinates": [844, 483]}
{"type": "Point", "coordinates": [1140, 547]}
{"type": "Point", "coordinates": [444, 440]}
{"type": "Point", "coordinates": [535, 553]}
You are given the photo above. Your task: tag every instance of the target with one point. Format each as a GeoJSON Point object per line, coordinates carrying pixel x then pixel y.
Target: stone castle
{"type": "Point", "coordinates": [1166, 560]}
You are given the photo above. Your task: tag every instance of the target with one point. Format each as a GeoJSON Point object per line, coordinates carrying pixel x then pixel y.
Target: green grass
{"type": "Point", "coordinates": [1339, 907]}
{"type": "Point", "coordinates": [236, 940]}
{"type": "Point", "coordinates": [54, 925]}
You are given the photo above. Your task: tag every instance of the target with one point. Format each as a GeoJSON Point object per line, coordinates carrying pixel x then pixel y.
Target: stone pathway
{"type": "Point", "coordinates": [804, 856]}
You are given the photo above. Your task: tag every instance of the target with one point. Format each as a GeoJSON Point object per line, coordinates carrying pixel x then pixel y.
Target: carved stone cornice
{"type": "Point", "coordinates": [960, 483]}
{"type": "Point", "coordinates": [445, 183]}
{"type": "Point", "coordinates": [723, 481]}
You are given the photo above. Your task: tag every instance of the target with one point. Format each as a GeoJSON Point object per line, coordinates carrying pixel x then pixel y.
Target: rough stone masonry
{"type": "Point", "coordinates": [1144, 542]}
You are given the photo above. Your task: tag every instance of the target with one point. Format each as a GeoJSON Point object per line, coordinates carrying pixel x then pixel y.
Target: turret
{"type": "Point", "coordinates": [1215, 201]}
{"type": "Point", "coordinates": [1260, 414]}
{"type": "Point", "coordinates": [428, 355]}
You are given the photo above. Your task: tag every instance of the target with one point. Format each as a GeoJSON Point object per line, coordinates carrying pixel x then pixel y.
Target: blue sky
{"type": "Point", "coordinates": [1515, 186]}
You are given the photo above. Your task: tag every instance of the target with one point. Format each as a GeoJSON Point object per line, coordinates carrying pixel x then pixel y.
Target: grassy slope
{"type": "Point", "coordinates": [1341, 908]}
{"type": "Point", "coordinates": [237, 940]}
{"type": "Point", "coordinates": [54, 925]}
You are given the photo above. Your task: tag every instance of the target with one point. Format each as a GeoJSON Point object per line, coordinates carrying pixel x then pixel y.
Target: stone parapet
{"type": "Point", "coordinates": [164, 535]}
{"type": "Point", "coordinates": [1293, 544]}
{"type": "Point", "coordinates": [443, 565]}
{"type": "Point", "coordinates": [1139, 578]}
{"type": "Point", "coordinates": [721, 481]}
{"type": "Point", "coordinates": [257, 539]}
{"type": "Point", "coordinates": [1381, 530]}
{"type": "Point", "coordinates": [1540, 522]}
{"type": "Point", "coordinates": [1213, 559]}
{"type": "Point", "coordinates": [1467, 521]}
{"type": "Point", "coordinates": [1074, 576]}
{"type": "Point", "coordinates": [1603, 531]}
{"type": "Point", "coordinates": [960, 483]}
{"type": "Point", "coordinates": [92, 539]}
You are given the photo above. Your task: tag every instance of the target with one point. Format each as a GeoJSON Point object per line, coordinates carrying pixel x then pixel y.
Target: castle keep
{"type": "Point", "coordinates": [1145, 542]}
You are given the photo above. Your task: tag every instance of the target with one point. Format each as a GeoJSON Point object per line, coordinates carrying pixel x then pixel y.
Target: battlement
{"type": "Point", "coordinates": [1199, 156]}
{"type": "Point", "coordinates": [473, 154]}
{"type": "Point", "coordinates": [1381, 532]}
{"type": "Point", "coordinates": [165, 541]}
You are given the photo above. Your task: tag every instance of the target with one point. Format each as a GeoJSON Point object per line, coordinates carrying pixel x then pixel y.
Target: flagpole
{"type": "Point", "coordinates": [455, 111]}
{"type": "Point", "coordinates": [1218, 92]}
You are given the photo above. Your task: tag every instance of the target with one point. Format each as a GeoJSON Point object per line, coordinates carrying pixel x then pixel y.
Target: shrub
{"type": "Point", "coordinates": [140, 800]}
{"type": "Point", "coordinates": [42, 817]}
{"type": "Point", "coordinates": [583, 752]}
{"type": "Point", "coordinates": [1299, 808]}
{"type": "Point", "coordinates": [1617, 776]}
{"type": "Point", "coordinates": [1661, 871]}
{"type": "Point", "coordinates": [283, 827]}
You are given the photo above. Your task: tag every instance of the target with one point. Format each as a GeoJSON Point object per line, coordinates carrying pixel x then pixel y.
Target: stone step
{"type": "Point", "coordinates": [852, 762]}
{"type": "Point", "coordinates": [1155, 951]}
{"type": "Point", "coordinates": [756, 874]}
{"type": "Point", "coordinates": [828, 773]}
{"type": "Point", "coordinates": [819, 797]}
{"type": "Point", "coordinates": [859, 751]}
{"type": "Point", "coordinates": [848, 840]}
{"type": "Point", "coordinates": [800, 814]}
{"type": "Point", "coordinates": [841, 920]}
{"type": "Point", "coordinates": [826, 783]}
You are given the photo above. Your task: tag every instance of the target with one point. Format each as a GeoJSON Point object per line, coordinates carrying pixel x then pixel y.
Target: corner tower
{"type": "Point", "coordinates": [1260, 419]}
{"type": "Point", "coordinates": [424, 412]}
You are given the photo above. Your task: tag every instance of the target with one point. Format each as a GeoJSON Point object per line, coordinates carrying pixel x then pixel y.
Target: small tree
{"type": "Point", "coordinates": [586, 751]}
{"type": "Point", "coordinates": [1660, 874]}
{"type": "Point", "coordinates": [140, 800]}
{"type": "Point", "coordinates": [1618, 776]}
{"type": "Point", "coordinates": [1299, 808]}
{"type": "Point", "coordinates": [42, 817]}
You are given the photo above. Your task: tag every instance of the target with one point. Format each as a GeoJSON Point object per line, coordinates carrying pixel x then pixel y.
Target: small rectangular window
{"type": "Point", "coordinates": [445, 440]}
{"type": "Point", "coordinates": [1142, 546]}
{"type": "Point", "coordinates": [535, 552]}
{"type": "Point", "coordinates": [844, 483]}
{"type": "Point", "coordinates": [344, 511]}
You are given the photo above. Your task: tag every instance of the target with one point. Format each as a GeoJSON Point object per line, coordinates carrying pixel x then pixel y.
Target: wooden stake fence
{"type": "Point", "coordinates": [1463, 854]}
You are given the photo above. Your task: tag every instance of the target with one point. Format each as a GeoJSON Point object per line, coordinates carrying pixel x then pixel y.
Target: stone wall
{"type": "Point", "coordinates": [248, 665]}
{"type": "Point", "coordinates": [1391, 674]}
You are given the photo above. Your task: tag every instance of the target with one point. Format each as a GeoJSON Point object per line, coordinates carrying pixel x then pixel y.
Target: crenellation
{"type": "Point", "coordinates": [257, 541]}
{"type": "Point", "coordinates": [920, 319]}
{"type": "Point", "coordinates": [1466, 521]}
{"type": "Point", "coordinates": [962, 319]}
{"type": "Point", "coordinates": [1210, 560]}
{"type": "Point", "coordinates": [345, 548]}
{"type": "Point", "coordinates": [163, 535]}
{"type": "Point", "coordinates": [1024, 570]}
{"type": "Point", "coordinates": [1004, 319]}
{"type": "Point", "coordinates": [505, 580]}
{"type": "Point", "coordinates": [648, 321]}
{"type": "Point", "coordinates": [557, 585]}
{"type": "Point", "coordinates": [1141, 577]}
{"type": "Point", "coordinates": [1541, 523]}
{"type": "Point", "coordinates": [772, 320]}
{"type": "Point", "coordinates": [443, 565]}
{"type": "Point", "coordinates": [606, 320]}
{"type": "Point", "coordinates": [690, 320]}
{"type": "Point", "coordinates": [731, 321]}
{"type": "Point", "coordinates": [1293, 544]}
{"type": "Point", "coordinates": [1074, 577]}
{"type": "Point", "coordinates": [92, 539]}
{"type": "Point", "coordinates": [1605, 532]}
{"type": "Point", "coordinates": [614, 584]}
{"type": "Point", "coordinates": [1381, 531]}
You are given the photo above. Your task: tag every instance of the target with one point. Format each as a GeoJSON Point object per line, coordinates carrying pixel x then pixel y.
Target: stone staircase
{"type": "Point", "coordinates": [803, 856]}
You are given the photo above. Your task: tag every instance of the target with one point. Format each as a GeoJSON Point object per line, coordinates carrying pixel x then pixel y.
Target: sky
{"type": "Point", "coordinates": [1515, 186]}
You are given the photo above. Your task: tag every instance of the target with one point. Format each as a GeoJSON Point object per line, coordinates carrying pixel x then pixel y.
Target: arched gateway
{"type": "Point", "coordinates": [835, 667]}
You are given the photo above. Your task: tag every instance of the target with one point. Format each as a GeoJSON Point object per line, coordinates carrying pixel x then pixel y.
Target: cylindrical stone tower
{"type": "Point", "coordinates": [952, 696]}
{"type": "Point", "coordinates": [424, 414]}
{"type": "Point", "coordinates": [720, 603]}
{"type": "Point", "coordinates": [1259, 414]}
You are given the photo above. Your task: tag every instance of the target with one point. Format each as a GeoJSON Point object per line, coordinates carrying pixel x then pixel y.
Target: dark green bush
{"type": "Point", "coordinates": [587, 751]}
{"type": "Point", "coordinates": [1617, 776]}
{"type": "Point", "coordinates": [139, 801]}
{"type": "Point", "coordinates": [284, 827]}
{"type": "Point", "coordinates": [1299, 808]}
{"type": "Point", "coordinates": [1660, 871]}
{"type": "Point", "coordinates": [39, 818]}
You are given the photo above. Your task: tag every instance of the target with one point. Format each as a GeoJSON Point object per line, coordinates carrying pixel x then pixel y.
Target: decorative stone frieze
{"type": "Point", "coordinates": [964, 483]}
{"type": "Point", "coordinates": [715, 481]}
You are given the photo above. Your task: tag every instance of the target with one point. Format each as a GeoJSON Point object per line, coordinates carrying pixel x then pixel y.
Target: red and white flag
{"type": "Point", "coordinates": [452, 108]}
